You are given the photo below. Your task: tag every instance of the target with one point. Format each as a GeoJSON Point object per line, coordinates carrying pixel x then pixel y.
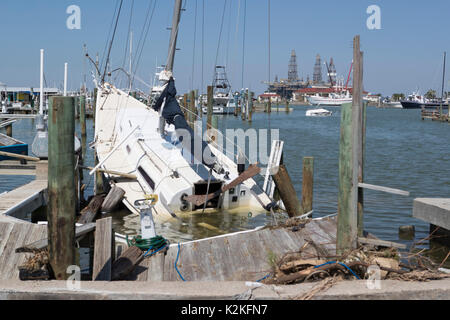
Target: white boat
{"type": "Point", "coordinates": [318, 113]}
{"type": "Point", "coordinates": [223, 101]}
{"type": "Point", "coordinates": [392, 104]}
{"type": "Point", "coordinates": [156, 144]}
{"type": "Point", "coordinates": [334, 99]}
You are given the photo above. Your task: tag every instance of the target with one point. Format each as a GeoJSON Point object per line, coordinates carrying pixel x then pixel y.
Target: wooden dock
{"type": "Point", "coordinates": [24, 200]}
{"type": "Point", "coordinates": [15, 233]}
{"type": "Point", "coordinates": [240, 256]}
{"type": "Point", "coordinates": [434, 116]}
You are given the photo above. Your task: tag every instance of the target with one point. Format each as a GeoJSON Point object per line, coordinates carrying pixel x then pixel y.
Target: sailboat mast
{"type": "Point", "coordinates": [443, 76]}
{"type": "Point", "coordinates": [443, 80]}
{"type": "Point", "coordinates": [41, 95]}
{"type": "Point", "coordinates": [174, 35]}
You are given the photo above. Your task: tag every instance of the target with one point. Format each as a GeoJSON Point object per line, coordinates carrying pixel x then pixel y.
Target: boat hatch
{"type": "Point", "coordinates": [201, 189]}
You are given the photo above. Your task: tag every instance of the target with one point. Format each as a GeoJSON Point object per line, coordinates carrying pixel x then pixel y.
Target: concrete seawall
{"type": "Point", "coordinates": [346, 290]}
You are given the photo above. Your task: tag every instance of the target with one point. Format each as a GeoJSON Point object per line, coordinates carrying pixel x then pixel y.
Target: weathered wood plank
{"type": "Point", "coordinates": [12, 260]}
{"type": "Point", "coordinates": [382, 243]}
{"type": "Point", "coordinates": [384, 189]}
{"type": "Point", "coordinates": [113, 199]}
{"type": "Point", "coordinates": [156, 267]}
{"type": "Point", "coordinates": [287, 191]}
{"type": "Point", "coordinates": [127, 262]}
{"type": "Point", "coordinates": [103, 250]}
{"type": "Point", "coordinates": [42, 243]}
{"type": "Point", "coordinates": [89, 213]}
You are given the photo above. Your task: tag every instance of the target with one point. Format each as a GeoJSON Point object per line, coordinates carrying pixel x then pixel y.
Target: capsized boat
{"type": "Point", "coordinates": [318, 113]}
{"type": "Point", "coordinates": [157, 145]}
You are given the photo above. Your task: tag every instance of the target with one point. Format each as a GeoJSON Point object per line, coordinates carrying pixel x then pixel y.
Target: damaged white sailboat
{"type": "Point", "coordinates": [156, 144]}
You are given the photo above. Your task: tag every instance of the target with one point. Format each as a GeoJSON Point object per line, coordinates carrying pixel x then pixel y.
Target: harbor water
{"type": "Point", "coordinates": [402, 152]}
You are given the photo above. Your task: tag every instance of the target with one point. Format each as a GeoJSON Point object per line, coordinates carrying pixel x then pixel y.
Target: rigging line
{"type": "Point", "coordinates": [228, 35]}
{"type": "Point", "coordinates": [112, 40]}
{"type": "Point", "coordinates": [203, 45]}
{"type": "Point", "coordinates": [193, 51]}
{"type": "Point", "coordinates": [269, 39]}
{"type": "Point", "coordinates": [243, 43]}
{"type": "Point", "coordinates": [236, 32]}
{"type": "Point", "coordinates": [144, 26]}
{"type": "Point", "coordinates": [128, 35]}
{"type": "Point", "coordinates": [109, 34]}
{"type": "Point", "coordinates": [143, 44]}
{"type": "Point", "coordinates": [220, 34]}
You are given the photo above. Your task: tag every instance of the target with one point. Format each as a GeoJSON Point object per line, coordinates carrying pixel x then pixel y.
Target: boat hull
{"type": "Point", "coordinates": [418, 105]}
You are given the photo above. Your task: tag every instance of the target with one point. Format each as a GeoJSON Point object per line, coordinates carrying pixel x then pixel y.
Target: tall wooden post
{"type": "Point", "coordinates": [287, 106]}
{"type": "Point", "coordinates": [192, 111]}
{"type": "Point", "coordinates": [214, 127]}
{"type": "Point", "coordinates": [244, 105]}
{"type": "Point", "coordinates": [98, 179]}
{"type": "Point", "coordinates": [61, 185]}
{"type": "Point", "coordinates": [185, 105]}
{"type": "Point", "coordinates": [269, 105]}
{"type": "Point", "coordinates": [250, 106]}
{"type": "Point", "coordinates": [287, 191]}
{"type": "Point", "coordinates": [350, 160]}
{"type": "Point", "coordinates": [83, 116]}
{"type": "Point", "coordinates": [307, 184]}
{"type": "Point", "coordinates": [210, 107]}
{"type": "Point", "coordinates": [9, 131]}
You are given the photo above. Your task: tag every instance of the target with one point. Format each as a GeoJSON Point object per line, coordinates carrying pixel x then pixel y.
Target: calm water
{"type": "Point", "coordinates": [402, 152]}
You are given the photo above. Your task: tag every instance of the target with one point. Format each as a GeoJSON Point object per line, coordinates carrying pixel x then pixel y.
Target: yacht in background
{"type": "Point", "coordinates": [334, 99]}
{"type": "Point", "coordinates": [223, 102]}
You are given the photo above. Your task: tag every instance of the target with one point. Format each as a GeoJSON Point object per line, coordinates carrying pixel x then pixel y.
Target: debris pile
{"type": "Point", "coordinates": [312, 263]}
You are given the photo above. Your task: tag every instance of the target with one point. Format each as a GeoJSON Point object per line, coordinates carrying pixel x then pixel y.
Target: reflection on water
{"type": "Point", "coordinates": [402, 152]}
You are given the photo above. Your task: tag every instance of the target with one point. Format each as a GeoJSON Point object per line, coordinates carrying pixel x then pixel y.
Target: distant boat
{"type": "Point", "coordinates": [335, 99]}
{"type": "Point", "coordinates": [223, 101]}
{"type": "Point", "coordinates": [318, 113]}
{"type": "Point", "coordinates": [392, 104]}
{"type": "Point", "coordinates": [415, 101]}
{"type": "Point", "coordinates": [11, 145]}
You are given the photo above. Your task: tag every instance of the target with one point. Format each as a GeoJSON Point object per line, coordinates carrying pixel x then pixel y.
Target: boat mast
{"type": "Point", "coordinates": [41, 96]}
{"type": "Point", "coordinates": [174, 35]}
{"type": "Point", "coordinates": [443, 80]}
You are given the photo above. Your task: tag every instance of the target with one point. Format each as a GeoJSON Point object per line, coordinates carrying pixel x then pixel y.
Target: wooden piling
{"type": "Point", "coordinates": [210, 107]}
{"type": "Point", "coordinates": [9, 132]}
{"type": "Point", "coordinates": [113, 199]}
{"type": "Point", "coordinates": [269, 105]}
{"type": "Point", "coordinates": [307, 184]}
{"type": "Point", "coordinates": [98, 178]}
{"type": "Point", "coordinates": [287, 191]}
{"type": "Point", "coordinates": [185, 105]}
{"type": "Point", "coordinates": [287, 106]}
{"type": "Point", "coordinates": [214, 127]}
{"type": "Point", "coordinates": [250, 107]}
{"type": "Point", "coordinates": [61, 185]}
{"type": "Point", "coordinates": [83, 117]}
{"type": "Point", "coordinates": [361, 160]}
{"type": "Point", "coordinates": [350, 151]}
{"type": "Point", "coordinates": [244, 108]}
{"type": "Point", "coordinates": [192, 110]}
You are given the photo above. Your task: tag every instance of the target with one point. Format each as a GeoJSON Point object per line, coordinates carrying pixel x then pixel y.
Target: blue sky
{"type": "Point", "coordinates": [404, 55]}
